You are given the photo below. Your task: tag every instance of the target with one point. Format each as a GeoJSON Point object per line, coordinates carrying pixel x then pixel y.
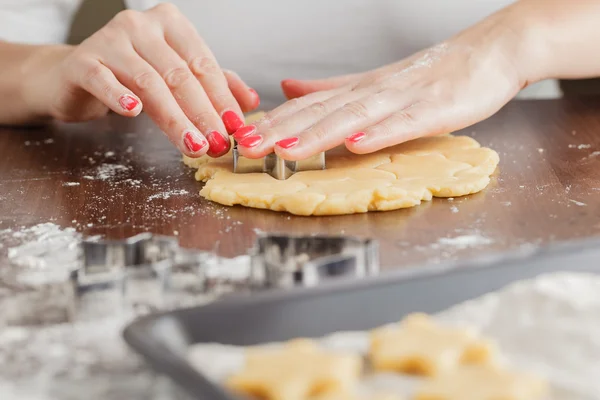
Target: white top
{"type": "Point", "coordinates": [270, 40]}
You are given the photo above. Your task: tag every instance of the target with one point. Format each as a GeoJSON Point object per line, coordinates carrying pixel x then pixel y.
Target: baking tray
{"type": "Point", "coordinates": [163, 339]}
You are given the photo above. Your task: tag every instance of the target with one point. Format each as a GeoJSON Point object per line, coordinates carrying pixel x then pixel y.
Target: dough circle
{"type": "Point", "coordinates": [397, 177]}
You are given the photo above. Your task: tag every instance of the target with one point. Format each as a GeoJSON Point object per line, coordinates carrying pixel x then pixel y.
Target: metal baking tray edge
{"type": "Point", "coordinates": [162, 339]}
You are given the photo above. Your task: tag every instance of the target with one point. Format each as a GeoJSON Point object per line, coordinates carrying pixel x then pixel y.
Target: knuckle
{"type": "Point", "coordinates": [319, 108]}
{"type": "Point", "coordinates": [144, 81]}
{"type": "Point", "coordinates": [129, 19]}
{"type": "Point", "coordinates": [168, 9]}
{"type": "Point", "coordinates": [406, 116]}
{"type": "Point", "coordinates": [92, 71]}
{"type": "Point", "coordinates": [223, 100]}
{"type": "Point", "coordinates": [356, 109]}
{"type": "Point", "coordinates": [204, 66]}
{"type": "Point", "coordinates": [319, 133]}
{"type": "Point", "coordinates": [176, 77]}
{"type": "Point", "coordinates": [201, 118]}
{"type": "Point", "coordinates": [384, 128]}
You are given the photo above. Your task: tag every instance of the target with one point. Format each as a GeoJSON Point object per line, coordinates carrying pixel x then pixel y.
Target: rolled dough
{"type": "Point", "coordinates": [397, 177]}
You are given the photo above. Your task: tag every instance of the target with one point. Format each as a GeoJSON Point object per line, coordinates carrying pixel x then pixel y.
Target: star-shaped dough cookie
{"type": "Point", "coordinates": [298, 370]}
{"type": "Point", "coordinates": [418, 346]}
{"type": "Point", "coordinates": [482, 383]}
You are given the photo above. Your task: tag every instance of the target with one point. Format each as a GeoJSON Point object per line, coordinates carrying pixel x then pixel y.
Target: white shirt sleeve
{"type": "Point", "coordinates": [36, 21]}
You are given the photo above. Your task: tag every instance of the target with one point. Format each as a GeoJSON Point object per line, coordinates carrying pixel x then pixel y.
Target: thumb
{"type": "Point", "coordinates": [293, 88]}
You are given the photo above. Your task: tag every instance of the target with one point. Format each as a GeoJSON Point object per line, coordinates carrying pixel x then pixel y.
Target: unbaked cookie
{"type": "Point", "coordinates": [418, 346]}
{"type": "Point", "coordinates": [298, 370]}
{"type": "Point", "coordinates": [482, 383]}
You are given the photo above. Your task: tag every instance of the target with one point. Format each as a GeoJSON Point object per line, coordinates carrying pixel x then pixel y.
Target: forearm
{"type": "Point", "coordinates": [20, 66]}
{"type": "Point", "coordinates": [562, 38]}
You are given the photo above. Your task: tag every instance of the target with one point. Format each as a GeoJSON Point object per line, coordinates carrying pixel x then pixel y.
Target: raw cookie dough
{"type": "Point", "coordinates": [396, 177]}
{"type": "Point", "coordinates": [482, 383]}
{"type": "Point", "coordinates": [418, 346]}
{"type": "Point", "coordinates": [298, 370]}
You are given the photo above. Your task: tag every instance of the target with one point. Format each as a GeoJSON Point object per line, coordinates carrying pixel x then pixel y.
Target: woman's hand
{"type": "Point", "coordinates": [153, 60]}
{"type": "Point", "coordinates": [439, 90]}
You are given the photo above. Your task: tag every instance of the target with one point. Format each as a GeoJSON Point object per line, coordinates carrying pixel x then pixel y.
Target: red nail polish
{"type": "Point", "coordinates": [256, 102]}
{"type": "Point", "coordinates": [244, 131]}
{"type": "Point", "coordinates": [232, 121]}
{"type": "Point", "coordinates": [251, 141]}
{"type": "Point", "coordinates": [128, 102]}
{"type": "Point", "coordinates": [218, 144]}
{"type": "Point", "coordinates": [357, 137]}
{"type": "Point", "coordinates": [194, 142]}
{"type": "Point", "coordinates": [287, 143]}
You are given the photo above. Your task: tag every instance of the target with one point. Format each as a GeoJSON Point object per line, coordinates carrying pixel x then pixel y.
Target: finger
{"type": "Point", "coordinates": [246, 97]}
{"type": "Point", "coordinates": [293, 125]}
{"type": "Point", "coordinates": [99, 81]}
{"type": "Point", "coordinates": [181, 35]}
{"type": "Point", "coordinates": [160, 104]}
{"type": "Point", "coordinates": [417, 120]}
{"type": "Point", "coordinates": [290, 107]}
{"type": "Point", "coordinates": [293, 88]}
{"type": "Point", "coordinates": [186, 90]}
{"type": "Point", "coordinates": [332, 130]}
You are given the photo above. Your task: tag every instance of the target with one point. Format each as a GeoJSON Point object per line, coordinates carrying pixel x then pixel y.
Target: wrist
{"type": "Point", "coordinates": [525, 42]}
{"type": "Point", "coordinates": [41, 79]}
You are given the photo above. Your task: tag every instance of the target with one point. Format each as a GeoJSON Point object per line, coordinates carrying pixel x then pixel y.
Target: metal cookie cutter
{"type": "Point", "coordinates": [131, 272]}
{"type": "Point", "coordinates": [275, 166]}
{"type": "Point", "coordinates": [282, 261]}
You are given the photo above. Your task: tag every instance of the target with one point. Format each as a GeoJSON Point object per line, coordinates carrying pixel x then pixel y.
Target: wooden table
{"type": "Point", "coordinates": [118, 177]}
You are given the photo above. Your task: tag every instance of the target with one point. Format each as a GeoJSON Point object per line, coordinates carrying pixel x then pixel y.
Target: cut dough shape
{"type": "Point", "coordinates": [482, 383]}
{"type": "Point", "coordinates": [298, 370]}
{"type": "Point", "coordinates": [397, 177]}
{"type": "Point", "coordinates": [418, 346]}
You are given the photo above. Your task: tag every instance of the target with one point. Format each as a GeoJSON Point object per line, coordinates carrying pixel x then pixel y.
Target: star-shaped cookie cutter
{"type": "Point", "coordinates": [274, 165]}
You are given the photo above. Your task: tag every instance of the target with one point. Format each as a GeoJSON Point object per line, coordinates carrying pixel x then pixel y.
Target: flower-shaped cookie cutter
{"type": "Point", "coordinates": [274, 165]}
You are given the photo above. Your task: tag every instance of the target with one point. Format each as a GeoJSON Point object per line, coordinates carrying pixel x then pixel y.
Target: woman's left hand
{"type": "Point", "coordinates": [439, 90]}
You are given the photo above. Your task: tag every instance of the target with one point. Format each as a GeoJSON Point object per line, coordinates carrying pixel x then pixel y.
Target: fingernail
{"type": "Point", "coordinates": [244, 131]}
{"type": "Point", "coordinates": [256, 98]}
{"type": "Point", "coordinates": [287, 143]}
{"type": "Point", "coordinates": [251, 141]}
{"type": "Point", "coordinates": [194, 141]}
{"type": "Point", "coordinates": [357, 137]}
{"type": "Point", "coordinates": [218, 144]}
{"type": "Point", "coordinates": [128, 102]}
{"type": "Point", "coordinates": [232, 121]}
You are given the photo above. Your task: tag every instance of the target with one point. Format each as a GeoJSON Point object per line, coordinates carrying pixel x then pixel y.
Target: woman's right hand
{"type": "Point", "coordinates": [153, 60]}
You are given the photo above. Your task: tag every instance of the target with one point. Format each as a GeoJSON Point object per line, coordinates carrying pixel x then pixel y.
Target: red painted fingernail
{"type": "Point", "coordinates": [357, 137]}
{"type": "Point", "coordinates": [128, 102]}
{"type": "Point", "coordinates": [194, 141]}
{"type": "Point", "coordinates": [251, 141]}
{"type": "Point", "coordinates": [256, 98]}
{"type": "Point", "coordinates": [218, 144]}
{"type": "Point", "coordinates": [232, 121]}
{"type": "Point", "coordinates": [287, 143]}
{"type": "Point", "coordinates": [244, 131]}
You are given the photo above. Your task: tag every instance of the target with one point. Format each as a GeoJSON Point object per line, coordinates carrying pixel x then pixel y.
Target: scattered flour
{"type": "Point", "coordinates": [577, 203]}
{"type": "Point", "coordinates": [109, 171]}
{"type": "Point", "coordinates": [71, 184]}
{"type": "Point", "coordinates": [465, 241]}
{"type": "Point", "coordinates": [45, 252]}
{"type": "Point", "coordinates": [454, 209]}
{"type": "Point", "coordinates": [166, 195]}
{"type": "Point", "coordinates": [580, 146]}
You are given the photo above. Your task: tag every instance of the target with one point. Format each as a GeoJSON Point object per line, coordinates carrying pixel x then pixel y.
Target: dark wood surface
{"type": "Point", "coordinates": [546, 189]}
